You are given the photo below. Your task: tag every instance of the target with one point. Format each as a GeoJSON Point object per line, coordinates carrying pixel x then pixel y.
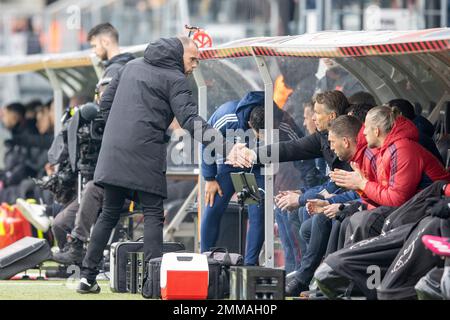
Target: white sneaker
{"type": "Point", "coordinates": [35, 214]}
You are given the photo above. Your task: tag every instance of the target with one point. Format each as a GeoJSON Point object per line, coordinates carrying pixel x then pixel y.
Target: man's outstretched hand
{"type": "Point", "coordinates": [240, 156]}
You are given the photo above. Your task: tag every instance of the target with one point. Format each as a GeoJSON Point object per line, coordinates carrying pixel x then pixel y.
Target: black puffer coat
{"type": "Point", "coordinates": [143, 100]}
{"type": "Point", "coordinates": [113, 65]}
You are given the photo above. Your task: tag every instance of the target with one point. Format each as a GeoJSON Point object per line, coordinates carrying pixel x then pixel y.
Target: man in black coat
{"type": "Point", "coordinates": [139, 105]}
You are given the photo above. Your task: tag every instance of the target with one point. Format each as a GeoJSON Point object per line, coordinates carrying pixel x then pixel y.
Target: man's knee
{"type": "Point", "coordinates": [58, 227]}
{"type": "Point", "coordinates": [93, 190]}
{"type": "Point", "coordinates": [63, 221]}
{"type": "Point", "coordinates": [305, 229]}
{"type": "Point", "coordinates": [320, 219]}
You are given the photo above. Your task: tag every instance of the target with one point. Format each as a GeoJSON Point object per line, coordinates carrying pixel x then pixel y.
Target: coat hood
{"type": "Point", "coordinates": [245, 106]}
{"type": "Point", "coordinates": [403, 129]}
{"type": "Point", "coordinates": [166, 53]}
{"type": "Point", "coordinates": [361, 146]}
{"type": "Point", "coordinates": [122, 58]}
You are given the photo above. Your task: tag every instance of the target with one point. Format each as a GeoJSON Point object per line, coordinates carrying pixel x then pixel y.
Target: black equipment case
{"type": "Point", "coordinates": [119, 256]}
{"type": "Point", "coordinates": [256, 283]}
{"type": "Point", "coordinates": [24, 254]}
{"type": "Point", "coordinates": [150, 287]}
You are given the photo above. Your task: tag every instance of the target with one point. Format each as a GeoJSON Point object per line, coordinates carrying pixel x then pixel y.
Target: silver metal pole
{"type": "Point", "coordinates": [274, 17]}
{"type": "Point", "coordinates": [203, 112]}
{"type": "Point", "coordinates": [80, 186]}
{"type": "Point", "coordinates": [96, 65]}
{"type": "Point", "coordinates": [433, 117]}
{"type": "Point", "coordinates": [184, 15]}
{"type": "Point", "coordinates": [320, 15]}
{"type": "Point", "coordinates": [302, 17]}
{"type": "Point", "coordinates": [328, 12]}
{"type": "Point", "coordinates": [57, 99]}
{"type": "Point", "coordinates": [444, 7]}
{"type": "Point", "coordinates": [268, 178]}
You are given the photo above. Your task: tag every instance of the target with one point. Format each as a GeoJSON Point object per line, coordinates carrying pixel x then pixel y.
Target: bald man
{"type": "Point", "coordinates": [139, 105]}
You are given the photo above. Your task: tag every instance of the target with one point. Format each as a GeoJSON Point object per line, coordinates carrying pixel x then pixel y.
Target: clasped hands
{"type": "Point", "coordinates": [288, 200]}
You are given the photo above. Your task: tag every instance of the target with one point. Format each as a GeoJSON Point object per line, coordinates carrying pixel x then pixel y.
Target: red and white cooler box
{"type": "Point", "coordinates": [184, 276]}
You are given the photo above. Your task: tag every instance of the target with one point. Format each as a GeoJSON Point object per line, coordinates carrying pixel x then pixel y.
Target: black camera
{"type": "Point", "coordinates": [62, 184]}
{"type": "Point", "coordinates": [75, 150]}
{"type": "Point", "coordinates": [89, 139]}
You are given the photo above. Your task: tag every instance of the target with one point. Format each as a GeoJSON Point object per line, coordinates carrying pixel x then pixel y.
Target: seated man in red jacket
{"type": "Point", "coordinates": [403, 167]}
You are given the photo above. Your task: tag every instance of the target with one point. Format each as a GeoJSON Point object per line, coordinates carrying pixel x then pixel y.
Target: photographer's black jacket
{"type": "Point", "coordinates": [113, 65]}
{"type": "Point", "coordinates": [143, 100]}
{"type": "Point", "coordinates": [313, 146]}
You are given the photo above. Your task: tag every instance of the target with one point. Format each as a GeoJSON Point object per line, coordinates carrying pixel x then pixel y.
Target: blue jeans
{"type": "Point", "coordinates": [314, 235]}
{"type": "Point", "coordinates": [288, 230]}
{"type": "Point", "coordinates": [303, 216]}
{"type": "Point", "coordinates": [210, 225]}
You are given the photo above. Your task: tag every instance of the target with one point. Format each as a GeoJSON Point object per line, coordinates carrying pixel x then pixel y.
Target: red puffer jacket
{"type": "Point", "coordinates": [366, 159]}
{"type": "Point", "coordinates": [403, 167]}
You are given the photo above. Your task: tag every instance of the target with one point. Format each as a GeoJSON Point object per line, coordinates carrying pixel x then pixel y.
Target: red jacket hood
{"type": "Point", "coordinates": [361, 145]}
{"type": "Point", "coordinates": [403, 129]}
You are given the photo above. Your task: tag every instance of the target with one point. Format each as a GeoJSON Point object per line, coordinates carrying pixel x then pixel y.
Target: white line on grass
{"type": "Point", "coordinates": [32, 284]}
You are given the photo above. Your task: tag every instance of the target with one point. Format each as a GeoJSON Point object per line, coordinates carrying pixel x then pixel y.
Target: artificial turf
{"type": "Point", "coordinates": [56, 290]}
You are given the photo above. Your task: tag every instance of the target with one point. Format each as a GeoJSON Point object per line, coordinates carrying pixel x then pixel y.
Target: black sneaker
{"type": "Point", "coordinates": [85, 287]}
{"type": "Point", "coordinates": [295, 287]}
{"type": "Point", "coordinates": [73, 255]}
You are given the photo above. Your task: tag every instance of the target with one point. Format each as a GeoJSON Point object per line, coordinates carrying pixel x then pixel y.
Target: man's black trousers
{"type": "Point", "coordinates": [114, 198]}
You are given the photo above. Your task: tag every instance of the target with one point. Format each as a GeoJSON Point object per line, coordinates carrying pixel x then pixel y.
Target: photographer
{"type": "Point", "coordinates": [104, 40]}
{"type": "Point", "coordinates": [73, 220]}
{"type": "Point", "coordinates": [72, 225]}
{"type": "Point", "coordinates": [77, 222]}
